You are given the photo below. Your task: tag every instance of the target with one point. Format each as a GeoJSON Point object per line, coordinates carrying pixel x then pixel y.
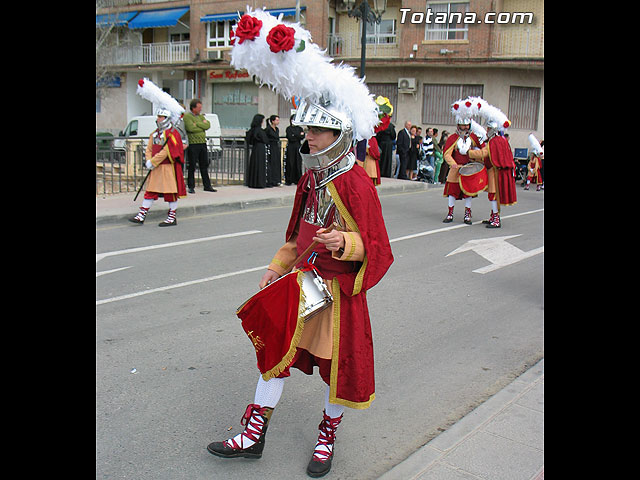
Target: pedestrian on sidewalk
{"type": "Point", "coordinates": [164, 155]}
{"type": "Point", "coordinates": [257, 140]}
{"type": "Point", "coordinates": [293, 165]}
{"type": "Point", "coordinates": [337, 111]}
{"type": "Point", "coordinates": [196, 125]}
{"type": "Point", "coordinates": [274, 171]}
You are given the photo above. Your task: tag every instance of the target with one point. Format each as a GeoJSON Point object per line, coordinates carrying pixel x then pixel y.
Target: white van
{"type": "Point", "coordinates": [142, 126]}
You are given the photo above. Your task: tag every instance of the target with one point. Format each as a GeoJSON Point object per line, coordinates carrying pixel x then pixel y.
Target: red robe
{"type": "Point", "coordinates": [501, 159]}
{"type": "Point", "coordinates": [172, 144]}
{"type": "Point", "coordinates": [352, 375]}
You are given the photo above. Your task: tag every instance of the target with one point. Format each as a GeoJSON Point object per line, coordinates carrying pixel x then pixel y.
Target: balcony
{"type": "Point", "coordinates": [518, 43]}
{"type": "Point", "coordinates": [347, 45]}
{"type": "Point", "coordinates": [146, 54]}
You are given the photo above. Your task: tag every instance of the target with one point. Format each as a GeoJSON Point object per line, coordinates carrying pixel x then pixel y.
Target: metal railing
{"type": "Point", "coordinates": [123, 170]}
{"type": "Point", "coordinates": [150, 53]}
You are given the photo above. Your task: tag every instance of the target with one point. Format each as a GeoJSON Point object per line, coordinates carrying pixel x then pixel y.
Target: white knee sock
{"type": "Point", "coordinates": [332, 409]}
{"type": "Point", "coordinates": [147, 202]}
{"type": "Point", "coordinates": [494, 206]}
{"type": "Point", "coordinates": [452, 200]}
{"type": "Point", "coordinates": [268, 393]}
{"type": "Point", "coordinates": [173, 205]}
{"type": "Point", "coordinates": [467, 202]}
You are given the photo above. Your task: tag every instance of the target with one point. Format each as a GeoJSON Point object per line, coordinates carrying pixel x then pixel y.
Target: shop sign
{"type": "Point", "coordinates": [227, 75]}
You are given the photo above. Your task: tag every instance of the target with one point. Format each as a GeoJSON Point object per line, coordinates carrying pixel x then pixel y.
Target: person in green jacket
{"type": "Point", "coordinates": [196, 126]}
{"type": "Point", "coordinates": [437, 152]}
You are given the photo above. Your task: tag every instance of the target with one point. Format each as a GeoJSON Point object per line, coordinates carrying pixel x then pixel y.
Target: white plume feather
{"type": "Point", "coordinates": [159, 98]}
{"type": "Point", "coordinates": [308, 73]}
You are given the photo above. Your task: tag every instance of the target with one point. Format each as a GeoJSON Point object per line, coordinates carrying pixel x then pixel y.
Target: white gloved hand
{"type": "Point", "coordinates": [149, 165]}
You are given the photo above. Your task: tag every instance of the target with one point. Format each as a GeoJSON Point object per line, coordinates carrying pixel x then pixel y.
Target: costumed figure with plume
{"type": "Point", "coordinates": [498, 160]}
{"type": "Point", "coordinates": [164, 154]}
{"type": "Point", "coordinates": [456, 154]}
{"type": "Point", "coordinates": [336, 207]}
{"type": "Point", "coordinates": [535, 163]}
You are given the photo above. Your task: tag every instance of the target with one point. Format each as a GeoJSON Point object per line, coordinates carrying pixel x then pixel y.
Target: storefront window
{"type": "Point", "coordinates": [235, 104]}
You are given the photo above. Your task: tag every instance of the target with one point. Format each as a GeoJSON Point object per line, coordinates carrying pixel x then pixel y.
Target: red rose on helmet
{"type": "Point", "coordinates": [248, 28]}
{"type": "Point", "coordinates": [280, 38]}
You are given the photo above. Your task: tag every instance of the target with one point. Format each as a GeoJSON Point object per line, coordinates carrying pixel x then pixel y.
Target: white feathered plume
{"type": "Point", "coordinates": [301, 68]}
{"type": "Point", "coordinates": [480, 132]}
{"type": "Point", "coordinates": [160, 99]}
{"type": "Point", "coordinates": [535, 145]}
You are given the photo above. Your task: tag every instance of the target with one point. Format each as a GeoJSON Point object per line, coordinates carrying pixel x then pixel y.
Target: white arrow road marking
{"type": "Point", "coordinates": [497, 251]}
{"type": "Point", "coordinates": [100, 256]}
{"type": "Point", "coordinates": [111, 271]}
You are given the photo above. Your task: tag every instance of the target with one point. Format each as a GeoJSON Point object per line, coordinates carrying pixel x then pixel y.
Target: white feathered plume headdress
{"type": "Point", "coordinates": [535, 145]}
{"type": "Point", "coordinates": [283, 56]}
{"type": "Point", "coordinates": [160, 99]}
{"type": "Point", "coordinates": [480, 132]}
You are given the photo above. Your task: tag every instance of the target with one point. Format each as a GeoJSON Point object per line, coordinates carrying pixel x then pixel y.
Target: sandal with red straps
{"type": "Point", "coordinates": [256, 419]}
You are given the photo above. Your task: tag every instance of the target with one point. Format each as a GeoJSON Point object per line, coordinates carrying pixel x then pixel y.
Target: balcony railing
{"type": "Point", "coordinates": [520, 43]}
{"type": "Point", "coordinates": [348, 46]}
{"type": "Point", "coordinates": [149, 54]}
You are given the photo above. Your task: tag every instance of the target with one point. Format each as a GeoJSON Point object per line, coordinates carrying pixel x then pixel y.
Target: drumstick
{"type": "Point", "coordinates": [308, 250]}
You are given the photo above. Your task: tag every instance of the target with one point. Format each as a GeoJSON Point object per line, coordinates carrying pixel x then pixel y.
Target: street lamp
{"type": "Point", "coordinates": [364, 12]}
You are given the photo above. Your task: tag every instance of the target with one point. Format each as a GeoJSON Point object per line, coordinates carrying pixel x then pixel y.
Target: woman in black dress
{"type": "Point", "coordinates": [293, 164]}
{"type": "Point", "coordinates": [274, 172]}
{"type": "Point", "coordinates": [257, 140]}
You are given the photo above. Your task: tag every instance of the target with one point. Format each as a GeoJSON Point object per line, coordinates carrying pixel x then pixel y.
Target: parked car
{"type": "Point", "coordinates": [142, 126]}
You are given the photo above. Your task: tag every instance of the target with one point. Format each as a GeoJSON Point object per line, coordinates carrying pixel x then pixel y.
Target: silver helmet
{"type": "Point", "coordinates": [166, 123]}
{"type": "Point", "coordinates": [325, 116]}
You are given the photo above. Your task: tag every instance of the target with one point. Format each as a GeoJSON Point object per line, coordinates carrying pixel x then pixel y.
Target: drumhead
{"type": "Point", "coordinates": [470, 168]}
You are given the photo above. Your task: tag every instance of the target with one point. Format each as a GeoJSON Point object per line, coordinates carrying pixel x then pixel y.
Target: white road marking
{"type": "Point", "coordinates": [98, 274]}
{"type": "Point", "coordinates": [100, 256]}
{"type": "Point", "coordinates": [497, 251]}
{"type": "Point", "coordinates": [239, 272]}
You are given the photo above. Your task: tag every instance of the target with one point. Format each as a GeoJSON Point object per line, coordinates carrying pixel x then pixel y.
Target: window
{"type": "Point", "coordinates": [218, 33]}
{"type": "Point", "coordinates": [524, 105]}
{"type": "Point", "coordinates": [235, 104]}
{"type": "Point", "coordinates": [437, 100]}
{"type": "Point", "coordinates": [382, 33]}
{"type": "Point", "coordinates": [446, 21]}
{"type": "Point", "coordinates": [179, 37]}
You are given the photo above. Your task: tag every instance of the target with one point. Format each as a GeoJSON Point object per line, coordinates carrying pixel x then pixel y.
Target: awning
{"type": "Point", "coordinates": [158, 18]}
{"type": "Point", "coordinates": [221, 17]}
{"type": "Point", "coordinates": [118, 19]}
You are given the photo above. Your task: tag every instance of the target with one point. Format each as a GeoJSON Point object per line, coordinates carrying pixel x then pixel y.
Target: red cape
{"type": "Point", "coordinates": [176, 154]}
{"type": "Point", "coordinates": [352, 375]}
{"type": "Point", "coordinates": [501, 157]}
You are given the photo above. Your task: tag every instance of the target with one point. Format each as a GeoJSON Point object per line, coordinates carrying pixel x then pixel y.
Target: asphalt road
{"type": "Point", "coordinates": [175, 371]}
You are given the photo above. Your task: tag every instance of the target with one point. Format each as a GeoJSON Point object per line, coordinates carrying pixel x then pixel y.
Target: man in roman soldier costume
{"type": "Point", "coordinates": [456, 154]}
{"type": "Point", "coordinates": [498, 160]}
{"type": "Point", "coordinates": [336, 111]}
{"type": "Point", "coordinates": [164, 155]}
{"type": "Point", "coordinates": [535, 163]}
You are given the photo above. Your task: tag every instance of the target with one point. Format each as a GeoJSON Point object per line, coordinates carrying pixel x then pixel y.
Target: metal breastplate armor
{"type": "Point", "coordinates": [327, 211]}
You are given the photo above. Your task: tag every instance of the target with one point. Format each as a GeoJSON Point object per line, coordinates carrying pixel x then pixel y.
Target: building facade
{"type": "Point", "coordinates": [423, 55]}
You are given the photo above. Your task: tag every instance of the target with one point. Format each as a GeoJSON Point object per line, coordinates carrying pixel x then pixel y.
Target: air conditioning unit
{"type": "Point", "coordinates": [406, 85]}
{"type": "Point", "coordinates": [214, 54]}
{"type": "Point", "coordinates": [341, 7]}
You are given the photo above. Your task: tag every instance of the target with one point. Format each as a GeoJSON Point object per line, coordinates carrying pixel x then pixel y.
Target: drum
{"type": "Point", "coordinates": [274, 317]}
{"type": "Point", "coordinates": [473, 178]}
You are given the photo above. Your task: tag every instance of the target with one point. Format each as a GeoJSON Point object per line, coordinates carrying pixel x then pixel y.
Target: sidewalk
{"type": "Point", "coordinates": [117, 208]}
{"type": "Point", "coordinates": [502, 439]}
